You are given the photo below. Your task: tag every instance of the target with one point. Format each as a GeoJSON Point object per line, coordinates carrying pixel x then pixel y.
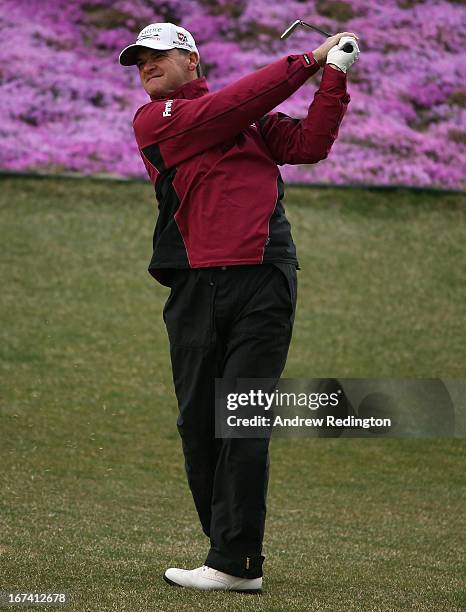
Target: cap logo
{"type": "Point", "coordinates": [182, 37]}
{"type": "Point", "coordinates": [149, 36]}
{"type": "Point", "coordinates": [151, 30]}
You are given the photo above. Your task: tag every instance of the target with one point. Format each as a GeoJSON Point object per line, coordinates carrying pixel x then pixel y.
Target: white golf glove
{"type": "Point", "coordinates": [340, 58]}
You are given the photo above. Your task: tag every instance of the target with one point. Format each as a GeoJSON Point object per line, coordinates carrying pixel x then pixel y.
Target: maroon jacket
{"type": "Point", "coordinates": [213, 157]}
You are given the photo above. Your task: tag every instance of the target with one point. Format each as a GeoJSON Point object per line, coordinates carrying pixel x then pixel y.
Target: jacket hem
{"type": "Point", "coordinates": [215, 263]}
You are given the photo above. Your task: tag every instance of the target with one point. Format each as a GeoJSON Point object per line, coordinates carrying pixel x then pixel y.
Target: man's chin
{"type": "Point", "coordinates": [156, 92]}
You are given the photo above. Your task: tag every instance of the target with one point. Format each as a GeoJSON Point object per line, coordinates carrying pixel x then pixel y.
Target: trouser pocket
{"type": "Point", "coordinates": [288, 272]}
{"type": "Point", "coordinates": [188, 310]}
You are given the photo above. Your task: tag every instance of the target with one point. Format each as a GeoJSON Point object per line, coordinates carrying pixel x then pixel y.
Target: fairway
{"type": "Point", "coordinates": [94, 497]}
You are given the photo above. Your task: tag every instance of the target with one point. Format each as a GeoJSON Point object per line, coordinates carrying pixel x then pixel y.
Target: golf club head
{"type": "Point", "coordinates": [290, 29]}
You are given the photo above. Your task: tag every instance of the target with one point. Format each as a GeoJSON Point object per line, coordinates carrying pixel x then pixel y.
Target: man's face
{"type": "Point", "coordinates": [163, 72]}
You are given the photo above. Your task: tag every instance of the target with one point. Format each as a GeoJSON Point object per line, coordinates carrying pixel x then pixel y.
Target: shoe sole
{"type": "Point", "coordinates": [246, 591]}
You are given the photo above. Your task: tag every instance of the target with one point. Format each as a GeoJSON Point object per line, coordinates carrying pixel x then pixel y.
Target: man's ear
{"type": "Point", "coordinates": [193, 60]}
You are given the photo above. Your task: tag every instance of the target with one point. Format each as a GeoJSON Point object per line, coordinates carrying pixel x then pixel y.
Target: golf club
{"type": "Point", "coordinates": [347, 47]}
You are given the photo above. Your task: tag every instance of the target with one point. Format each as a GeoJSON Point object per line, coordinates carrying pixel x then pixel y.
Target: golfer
{"type": "Point", "coordinates": [223, 244]}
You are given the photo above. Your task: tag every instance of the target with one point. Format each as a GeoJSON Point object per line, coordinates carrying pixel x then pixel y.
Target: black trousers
{"type": "Point", "coordinates": [233, 322]}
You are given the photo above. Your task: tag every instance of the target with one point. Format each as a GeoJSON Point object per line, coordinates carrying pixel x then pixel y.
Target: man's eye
{"type": "Point", "coordinates": [155, 57]}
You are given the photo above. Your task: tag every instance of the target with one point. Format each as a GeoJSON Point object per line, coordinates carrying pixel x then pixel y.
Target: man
{"type": "Point", "coordinates": [223, 244]}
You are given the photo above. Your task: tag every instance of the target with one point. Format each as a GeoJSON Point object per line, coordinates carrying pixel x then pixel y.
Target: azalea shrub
{"type": "Point", "coordinates": [68, 104]}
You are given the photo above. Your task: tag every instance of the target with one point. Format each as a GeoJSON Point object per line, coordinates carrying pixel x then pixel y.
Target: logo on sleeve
{"type": "Point", "coordinates": [168, 109]}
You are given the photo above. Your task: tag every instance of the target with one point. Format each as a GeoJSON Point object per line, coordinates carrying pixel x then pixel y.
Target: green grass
{"type": "Point", "coordinates": [94, 499]}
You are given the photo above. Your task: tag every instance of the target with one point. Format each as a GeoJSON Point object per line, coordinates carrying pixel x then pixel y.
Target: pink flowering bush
{"type": "Point", "coordinates": [68, 105]}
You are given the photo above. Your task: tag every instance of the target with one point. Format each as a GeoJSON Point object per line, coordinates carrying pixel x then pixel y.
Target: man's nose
{"type": "Point", "coordinates": [150, 64]}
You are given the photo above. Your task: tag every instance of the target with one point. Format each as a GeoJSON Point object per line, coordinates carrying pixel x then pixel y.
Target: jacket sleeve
{"type": "Point", "coordinates": [307, 141]}
{"type": "Point", "coordinates": [173, 131]}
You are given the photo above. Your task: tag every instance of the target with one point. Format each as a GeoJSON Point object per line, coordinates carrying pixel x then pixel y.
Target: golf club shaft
{"type": "Point", "coordinates": [348, 47]}
{"type": "Point", "coordinates": [308, 25]}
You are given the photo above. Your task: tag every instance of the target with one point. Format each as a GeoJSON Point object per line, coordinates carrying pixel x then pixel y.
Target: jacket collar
{"type": "Point", "coordinates": [192, 89]}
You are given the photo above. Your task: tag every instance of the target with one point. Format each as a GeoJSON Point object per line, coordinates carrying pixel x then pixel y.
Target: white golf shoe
{"type": "Point", "coordinates": [208, 579]}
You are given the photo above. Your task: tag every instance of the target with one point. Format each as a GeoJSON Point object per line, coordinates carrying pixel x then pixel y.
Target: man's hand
{"type": "Point", "coordinates": [320, 54]}
{"type": "Point", "coordinates": [337, 57]}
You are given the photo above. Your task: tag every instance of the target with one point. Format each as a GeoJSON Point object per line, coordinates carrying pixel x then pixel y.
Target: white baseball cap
{"type": "Point", "coordinates": [158, 36]}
